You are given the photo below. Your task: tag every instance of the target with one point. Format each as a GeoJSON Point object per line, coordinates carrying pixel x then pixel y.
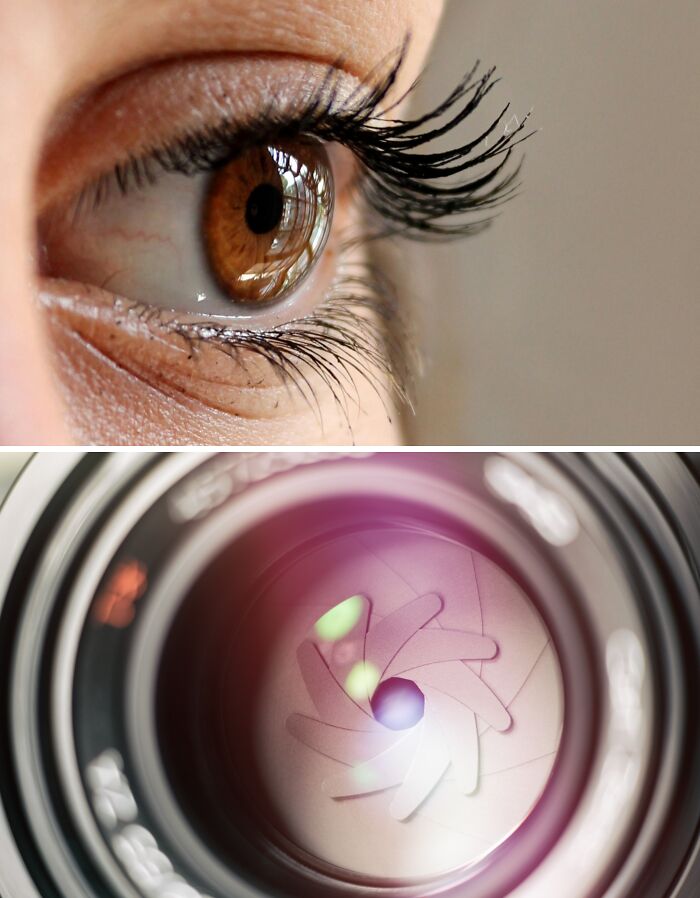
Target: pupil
{"type": "Point", "coordinates": [398, 704]}
{"type": "Point", "coordinates": [263, 211]}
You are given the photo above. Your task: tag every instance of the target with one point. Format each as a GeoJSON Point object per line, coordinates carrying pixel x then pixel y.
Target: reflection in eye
{"type": "Point", "coordinates": [267, 219]}
{"type": "Point", "coordinates": [217, 236]}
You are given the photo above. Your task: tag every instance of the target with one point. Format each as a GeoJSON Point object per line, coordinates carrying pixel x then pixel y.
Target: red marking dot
{"type": "Point", "coordinates": [115, 604]}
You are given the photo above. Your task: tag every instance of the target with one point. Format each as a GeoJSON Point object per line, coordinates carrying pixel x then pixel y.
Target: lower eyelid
{"type": "Point", "coordinates": [234, 379]}
{"type": "Point", "coordinates": [135, 340]}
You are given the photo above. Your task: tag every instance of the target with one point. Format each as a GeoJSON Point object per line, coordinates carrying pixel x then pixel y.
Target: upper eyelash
{"type": "Point", "coordinates": [400, 185]}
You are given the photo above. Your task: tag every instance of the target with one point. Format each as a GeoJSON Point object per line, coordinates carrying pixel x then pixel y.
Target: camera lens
{"type": "Point", "coordinates": [286, 675]}
{"type": "Point", "coordinates": [384, 697]}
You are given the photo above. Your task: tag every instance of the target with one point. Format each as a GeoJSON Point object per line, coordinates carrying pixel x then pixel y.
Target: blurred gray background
{"type": "Point", "coordinates": [575, 319]}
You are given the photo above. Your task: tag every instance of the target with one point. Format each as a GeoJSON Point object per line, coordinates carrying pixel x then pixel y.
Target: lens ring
{"type": "Point", "coordinates": [140, 728]}
{"type": "Point", "coordinates": [633, 495]}
{"type": "Point", "coordinates": [603, 543]}
{"type": "Point", "coordinates": [46, 769]}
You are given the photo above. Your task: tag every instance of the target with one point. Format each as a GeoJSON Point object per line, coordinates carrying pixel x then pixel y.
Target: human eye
{"type": "Point", "coordinates": [231, 241]}
{"type": "Point", "coordinates": [218, 249]}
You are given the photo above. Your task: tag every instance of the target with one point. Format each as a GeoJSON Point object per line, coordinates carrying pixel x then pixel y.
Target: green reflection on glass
{"type": "Point", "coordinates": [362, 680]}
{"type": "Point", "coordinates": [340, 620]}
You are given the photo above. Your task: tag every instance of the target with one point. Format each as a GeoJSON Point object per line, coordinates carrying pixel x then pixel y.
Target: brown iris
{"type": "Point", "coordinates": [267, 217]}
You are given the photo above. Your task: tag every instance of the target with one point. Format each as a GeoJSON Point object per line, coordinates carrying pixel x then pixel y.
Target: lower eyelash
{"type": "Point", "coordinates": [357, 331]}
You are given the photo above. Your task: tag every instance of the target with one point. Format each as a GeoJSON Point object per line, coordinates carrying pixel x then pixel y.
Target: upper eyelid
{"type": "Point", "coordinates": [233, 139]}
{"type": "Point", "coordinates": [130, 117]}
{"type": "Point", "coordinates": [404, 187]}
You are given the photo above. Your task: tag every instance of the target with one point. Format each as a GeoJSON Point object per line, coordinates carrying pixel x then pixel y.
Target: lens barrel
{"type": "Point", "coordinates": [190, 645]}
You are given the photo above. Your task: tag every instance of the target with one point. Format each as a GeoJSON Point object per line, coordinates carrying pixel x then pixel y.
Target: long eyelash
{"type": "Point", "coordinates": [356, 333]}
{"type": "Point", "coordinates": [402, 187]}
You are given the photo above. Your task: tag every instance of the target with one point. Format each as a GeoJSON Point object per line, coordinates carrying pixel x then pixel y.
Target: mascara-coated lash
{"type": "Point", "coordinates": [401, 184]}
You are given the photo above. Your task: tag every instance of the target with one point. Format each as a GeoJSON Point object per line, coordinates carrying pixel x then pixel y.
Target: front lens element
{"type": "Point", "coordinates": [383, 702]}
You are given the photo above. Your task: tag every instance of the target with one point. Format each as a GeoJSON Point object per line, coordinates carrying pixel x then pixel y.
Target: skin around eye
{"type": "Point", "coordinates": [262, 187]}
{"type": "Point", "coordinates": [121, 272]}
{"type": "Point", "coordinates": [82, 82]}
{"type": "Point", "coordinates": [125, 277]}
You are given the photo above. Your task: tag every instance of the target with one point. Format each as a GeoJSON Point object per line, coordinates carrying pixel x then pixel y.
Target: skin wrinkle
{"type": "Point", "coordinates": [156, 417]}
{"type": "Point", "coordinates": [55, 50]}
